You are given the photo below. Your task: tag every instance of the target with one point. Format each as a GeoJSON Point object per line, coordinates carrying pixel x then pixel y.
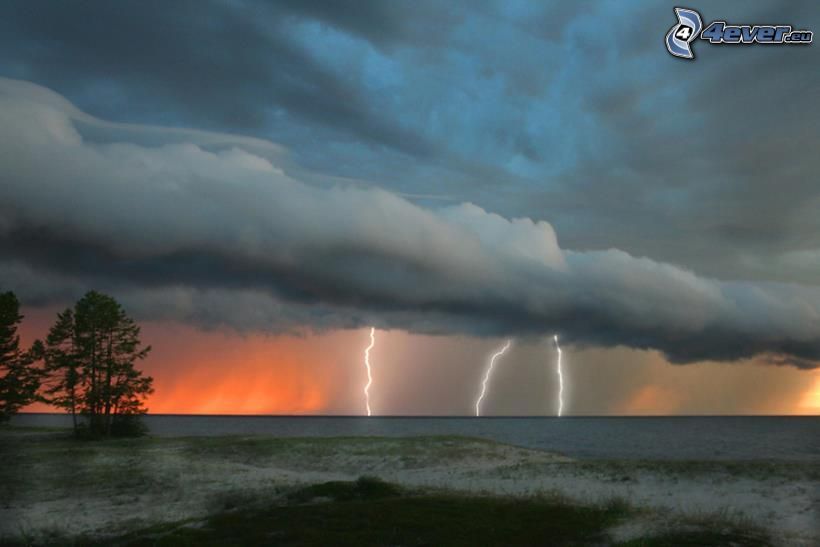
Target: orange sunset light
{"type": "Point", "coordinates": [224, 372]}
{"type": "Point", "coordinates": [219, 373]}
{"type": "Point", "coordinates": [810, 402]}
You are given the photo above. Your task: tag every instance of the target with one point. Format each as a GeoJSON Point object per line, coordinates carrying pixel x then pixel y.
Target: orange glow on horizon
{"type": "Point", "coordinates": [270, 376]}
{"type": "Point", "coordinates": [223, 372]}
{"type": "Point", "coordinates": [652, 400]}
{"type": "Point", "coordinates": [198, 372]}
{"type": "Point", "coordinates": [810, 402]}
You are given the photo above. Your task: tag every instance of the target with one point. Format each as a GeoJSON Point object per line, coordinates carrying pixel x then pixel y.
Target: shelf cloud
{"type": "Point", "coordinates": [213, 229]}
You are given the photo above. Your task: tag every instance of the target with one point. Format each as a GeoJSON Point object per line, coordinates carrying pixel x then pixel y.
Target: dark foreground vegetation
{"type": "Point", "coordinates": [372, 512]}
{"type": "Point", "coordinates": [58, 490]}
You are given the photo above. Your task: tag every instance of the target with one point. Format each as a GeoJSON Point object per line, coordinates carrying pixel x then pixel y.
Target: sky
{"type": "Point", "coordinates": [259, 183]}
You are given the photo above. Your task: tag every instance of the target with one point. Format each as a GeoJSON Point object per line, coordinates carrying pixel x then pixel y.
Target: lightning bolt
{"type": "Point", "coordinates": [367, 365]}
{"type": "Point", "coordinates": [487, 374]}
{"type": "Point", "coordinates": [560, 378]}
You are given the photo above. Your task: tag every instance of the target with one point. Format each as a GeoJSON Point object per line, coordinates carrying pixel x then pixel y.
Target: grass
{"type": "Point", "coordinates": [59, 465]}
{"type": "Point", "coordinates": [218, 493]}
{"type": "Point", "coordinates": [256, 447]}
{"type": "Point", "coordinates": [701, 538]}
{"type": "Point", "coordinates": [722, 528]}
{"type": "Point", "coordinates": [371, 512]}
{"type": "Point", "coordinates": [365, 488]}
{"type": "Point", "coordinates": [631, 470]}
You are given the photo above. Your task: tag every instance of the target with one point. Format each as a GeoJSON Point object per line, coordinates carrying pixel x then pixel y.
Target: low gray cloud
{"type": "Point", "coordinates": [215, 230]}
{"type": "Point", "coordinates": [571, 112]}
{"type": "Point", "coordinates": [230, 65]}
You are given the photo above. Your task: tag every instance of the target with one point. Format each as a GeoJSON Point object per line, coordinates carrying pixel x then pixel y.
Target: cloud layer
{"type": "Point", "coordinates": [524, 108]}
{"type": "Point", "coordinates": [212, 229]}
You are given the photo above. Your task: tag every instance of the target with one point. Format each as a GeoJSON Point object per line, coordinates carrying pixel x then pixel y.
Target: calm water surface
{"type": "Point", "coordinates": [679, 438]}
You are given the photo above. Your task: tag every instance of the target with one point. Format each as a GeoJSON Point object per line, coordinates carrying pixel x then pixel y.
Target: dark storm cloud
{"type": "Point", "coordinates": [710, 162]}
{"type": "Point", "coordinates": [208, 229]}
{"type": "Point", "coordinates": [227, 65]}
{"type": "Point", "coordinates": [384, 24]}
{"type": "Point", "coordinates": [561, 108]}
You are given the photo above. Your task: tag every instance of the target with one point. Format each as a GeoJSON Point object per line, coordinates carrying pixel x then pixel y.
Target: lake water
{"type": "Point", "coordinates": [659, 438]}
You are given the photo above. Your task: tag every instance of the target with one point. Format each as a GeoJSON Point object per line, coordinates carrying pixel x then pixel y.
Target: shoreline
{"type": "Point", "coordinates": [55, 484]}
{"type": "Point", "coordinates": [769, 438]}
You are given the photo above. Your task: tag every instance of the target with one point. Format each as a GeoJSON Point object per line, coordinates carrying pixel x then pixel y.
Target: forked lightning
{"type": "Point", "coordinates": [487, 374]}
{"type": "Point", "coordinates": [367, 365]}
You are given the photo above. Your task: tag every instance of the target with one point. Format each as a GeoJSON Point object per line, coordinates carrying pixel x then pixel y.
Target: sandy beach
{"type": "Point", "coordinates": [56, 487]}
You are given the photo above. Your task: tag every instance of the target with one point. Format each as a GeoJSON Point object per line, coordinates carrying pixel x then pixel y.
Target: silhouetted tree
{"type": "Point", "coordinates": [19, 377]}
{"type": "Point", "coordinates": [62, 366]}
{"type": "Point", "coordinates": [90, 354]}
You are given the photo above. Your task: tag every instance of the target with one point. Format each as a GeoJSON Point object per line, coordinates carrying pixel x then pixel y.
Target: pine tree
{"type": "Point", "coordinates": [62, 366]}
{"type": "Point", "coordinates": [90, 355]}
{"type": "Point", "coordinates": [19, 377]}
{"type": "Point", "coordinates": [107, 345]}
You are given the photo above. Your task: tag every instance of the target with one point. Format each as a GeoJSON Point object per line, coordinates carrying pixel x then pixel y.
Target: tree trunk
{"type": "Point", "coordinates": [92, 403]}
{"type": "Point", "coordinates": [72, 370]}
{"type": "Point", "coordinates": [108, 366]}
{"type": "Point", "coordinates": [73, 398]}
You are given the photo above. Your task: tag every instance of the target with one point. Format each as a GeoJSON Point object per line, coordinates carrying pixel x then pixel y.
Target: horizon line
{"type": "Point", "coordinates": [445, 416]}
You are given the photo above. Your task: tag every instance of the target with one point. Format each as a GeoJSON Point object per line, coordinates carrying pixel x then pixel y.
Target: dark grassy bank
{"type": "Point", "coordinates": [55, 490]}
{"type": "Point", "coordinates": [371, 512]}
